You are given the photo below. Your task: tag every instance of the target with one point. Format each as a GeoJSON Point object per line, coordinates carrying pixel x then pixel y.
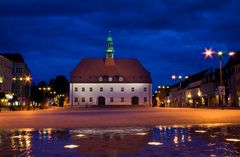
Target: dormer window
{"type": "Point", "coordinates": [100, 79]}
{"type": "Point", "coordinates": [110, 79]}
{"type": "Point", "coordinates": [120, 78]}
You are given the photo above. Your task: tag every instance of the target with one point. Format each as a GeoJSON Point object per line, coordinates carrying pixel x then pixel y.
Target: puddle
{"type": "Point", "coordinates": [185, 141]}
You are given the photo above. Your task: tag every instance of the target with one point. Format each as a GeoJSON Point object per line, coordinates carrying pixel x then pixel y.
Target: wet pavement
{"type": "Point", "coordinates": [175, 140]}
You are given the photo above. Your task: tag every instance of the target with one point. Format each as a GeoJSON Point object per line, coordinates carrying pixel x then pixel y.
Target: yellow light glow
{"type": "Point", "coordinates": [208, 53]}
{"type": "Point", "coordinates": [189, 95]}
{"type": "Point", "coordinates": [155, 143]}
{"type": "Point", "coordinates": [233, 140]}
{"type": "Point", "coordinates": [231, 53]}
{"type": "Point", "coordinates": [71, 146]}
{"type": "Point", "coordinates": [200, 131]}
{"type": "Point", "coordinates": [186, 77]}
{"type": "Point", "coordinates": [28, 78]}
{"type": "Point", "coordinates": [1, 79]}
{"type": "Point", "coordinates": [20, 78]}
{"type": "Point", "coordinates": [14, 78]}
{"type": "Point", "coordinates": [199, 93]}
{"type": "Point", "coordinates": [48, 88]}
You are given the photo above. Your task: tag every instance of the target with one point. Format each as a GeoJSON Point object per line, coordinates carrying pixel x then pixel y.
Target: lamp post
{"type": "Point", "coordinates": [19, 80]}
{"type": "Point", "coordinates": [44, 89]}
{"type": "Point", "coordinates": [179, 78]}
{"type": "Point", "coordinates": [209, 53]}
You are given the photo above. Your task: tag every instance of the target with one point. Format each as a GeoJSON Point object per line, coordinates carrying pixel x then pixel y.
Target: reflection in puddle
{"type": "Point", "coordinates": [209, 140]}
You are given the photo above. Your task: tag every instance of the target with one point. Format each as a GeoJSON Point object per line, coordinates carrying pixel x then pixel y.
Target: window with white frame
{"type": "Point", "coordinates": [75, 99]}
{"type": "Point", "coordinates": [111, 99]}
{"type": "Point", "coordinates": [83, 99]}
{"type": "Point", "coordinates": [76, 89]}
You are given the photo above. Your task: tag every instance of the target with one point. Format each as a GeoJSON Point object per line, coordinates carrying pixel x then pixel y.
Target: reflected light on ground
{"type": "Point", "coordinates": [200, 131]}
{"type": "Point", "coordinates": [233, 140]}
{"type": "Point", "coordinates": [142, 133]}
{"type": "Point", "coordinates": [80, 135]}
{"type": "Point", "coordinates": [155, 143]}
{"type": "Point", "coordinates": [71, 146]}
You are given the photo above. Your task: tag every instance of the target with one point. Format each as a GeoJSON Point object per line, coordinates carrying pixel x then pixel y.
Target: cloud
{"type": "Point", "coordinates": [169, 34]}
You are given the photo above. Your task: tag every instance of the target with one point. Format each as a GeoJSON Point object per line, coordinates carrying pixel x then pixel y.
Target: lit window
{"type": "Point", "coordinates": [75, 99]}
{"type": "Point", "coordinates": [101, 89]}
{"type": "Point", "coordinates": [83, 99]}
{"type": "Point", "coordinates": [75, 89]}
{"type": "Point", "coordinates": [122, 99]}
{"type": "Point", "coordinates": [90, 89]}
{"type": "Point", "coordinates": [122, 89]}
{"type": "Point", "coordinates": [83, 89]}
{"type": "Point", "coordinates": [111, 89]}
{"type": "Point", "coordinates": [145, 89]}
{"type": "Point", "coordinates": [91, 99]}
{"type": "Point", "coordinates": [145, 99]}
{"type": "Point", "coordinates": [110, 79]}
{"type": "Point", "coordinates": [132, 89]}
{"type": "Point", "coordinates": [111, 99]}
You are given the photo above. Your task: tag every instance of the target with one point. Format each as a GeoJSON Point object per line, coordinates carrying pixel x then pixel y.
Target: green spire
{"type": "Point", "coordinates": [109, 45]}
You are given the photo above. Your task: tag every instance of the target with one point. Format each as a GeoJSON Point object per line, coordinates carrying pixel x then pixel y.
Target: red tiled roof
{"type": "Point", "coordinates": [90, 70]}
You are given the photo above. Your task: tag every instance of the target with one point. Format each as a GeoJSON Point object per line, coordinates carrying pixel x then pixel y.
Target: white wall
{"type": "Point", "coordinates": [116, 94]}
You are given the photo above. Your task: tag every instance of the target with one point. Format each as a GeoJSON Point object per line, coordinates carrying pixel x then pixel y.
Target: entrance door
{"type": "Point", "coordinates": [135, 100]}
{"type": "Point", "coordinates": [101, 101]}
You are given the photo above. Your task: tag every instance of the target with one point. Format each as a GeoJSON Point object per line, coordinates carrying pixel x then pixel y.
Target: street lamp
{"type": "Point", "coordinates": [209, 53]}
{"type": "Point", "coordinates": [44, 89]}
{"type": "Point", "coordinates": [19, 80]}
{"type": "Point", "coordinates": [180, 78]}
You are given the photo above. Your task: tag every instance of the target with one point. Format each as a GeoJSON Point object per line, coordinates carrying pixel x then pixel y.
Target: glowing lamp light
{"type": "Point", "coordinates": [233, 140]}
{"type": "Point", "coordinates": [231, 53]}
{"type": "Point", "coordinates": [174, 77]}
{"type": "Point", "coordinates": [179, 77]}
{"type": "Point", "coordinates": [208, 53]}
{"type": "Point", "coordinates": [71, 146]}
{"type": "Point", "coordinates": [220, 53]}
{"type": "Point", "coordinates": [155, 143]}
{"type": "Point", "coordinates": [28, 78]}
{"type": "Point", "coordinates": [186, 77]}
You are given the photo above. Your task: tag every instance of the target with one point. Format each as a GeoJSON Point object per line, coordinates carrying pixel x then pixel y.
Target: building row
{"type": "Point", "coordinates": [204, 88]}
{"type": "Point", "coordinates": [15, 80]}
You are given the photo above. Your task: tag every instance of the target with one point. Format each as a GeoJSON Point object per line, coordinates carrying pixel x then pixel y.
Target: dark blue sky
{"type": "Point", "coordinates": [167, 36]}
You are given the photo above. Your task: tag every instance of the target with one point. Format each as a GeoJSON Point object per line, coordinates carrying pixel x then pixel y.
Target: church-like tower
{"type": "Point", "coordinates": [109, 46]}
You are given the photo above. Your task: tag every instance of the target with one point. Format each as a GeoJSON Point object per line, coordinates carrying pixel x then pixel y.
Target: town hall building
{"type": "Point", "coordinates": [110, 81]}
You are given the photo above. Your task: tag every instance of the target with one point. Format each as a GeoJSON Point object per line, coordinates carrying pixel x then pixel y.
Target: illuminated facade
{"type": "Point", "coordinates": [20, 76]}
{"type": "Point", "coordinates": [110, 81]}
{"type": "Point", "coordinates": [5, 75]}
